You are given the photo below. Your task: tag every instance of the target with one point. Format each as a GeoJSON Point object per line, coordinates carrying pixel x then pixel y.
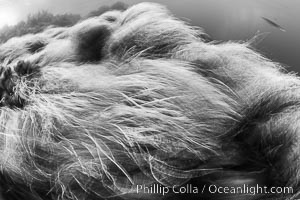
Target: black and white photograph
{"type": "Point", "coordinates": [149, 100]}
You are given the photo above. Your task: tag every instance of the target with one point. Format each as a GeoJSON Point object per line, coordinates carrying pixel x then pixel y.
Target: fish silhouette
{"type": "Point", "coordinates": [272, 23]}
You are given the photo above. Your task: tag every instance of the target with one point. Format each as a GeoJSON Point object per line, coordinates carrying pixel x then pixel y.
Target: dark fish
{"type": "Point", "coordinates": [272, 23]}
